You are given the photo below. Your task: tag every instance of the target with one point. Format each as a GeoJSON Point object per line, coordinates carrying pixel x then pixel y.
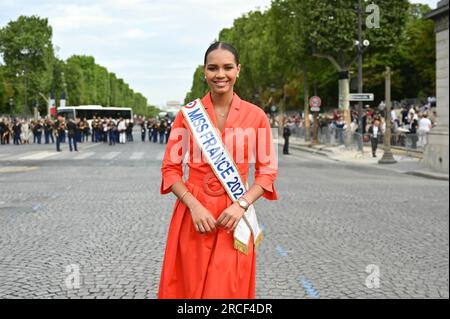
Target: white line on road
{"type": "Point", "coordinates": [110, 155]}
{"type": "Point", "coordinates": [14, 156]}
{"type": "Point", "coordinates": [86, 147]}
{"type": "Point", "coordinates": [84, 155]}
{"type": "Point", "coordinates": [137, 156]}
{"type": "Point", "coordinates": [37, 156]}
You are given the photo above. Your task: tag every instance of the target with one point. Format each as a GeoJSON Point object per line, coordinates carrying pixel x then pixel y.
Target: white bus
{"type": "Point", "coordinates": [89, 111]}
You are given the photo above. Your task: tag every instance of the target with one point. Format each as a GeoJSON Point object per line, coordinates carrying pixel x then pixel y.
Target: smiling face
{"type": "Point", "coordinates": [221, 71]}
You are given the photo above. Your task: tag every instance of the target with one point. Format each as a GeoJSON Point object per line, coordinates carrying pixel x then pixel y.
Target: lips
{"type": "Point", "coordinates": [221, 83]}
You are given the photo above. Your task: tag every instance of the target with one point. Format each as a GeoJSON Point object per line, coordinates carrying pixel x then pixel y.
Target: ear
{"type": "Point", "coordinates": [238, 68]}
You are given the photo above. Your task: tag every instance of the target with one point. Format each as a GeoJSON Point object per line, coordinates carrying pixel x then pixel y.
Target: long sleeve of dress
{"type": "Point", "coordinates": [266, 165]}
{"type": "Point", "coordinates": [177, 145]}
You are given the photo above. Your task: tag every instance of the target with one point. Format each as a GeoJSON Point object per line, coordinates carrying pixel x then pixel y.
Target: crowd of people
{"type": "Point", "coordinates": [20, 131]}
{"type": "Point", "coordinates": [409, 121]}
{"type": "Point", "coordinates": [410, 125]}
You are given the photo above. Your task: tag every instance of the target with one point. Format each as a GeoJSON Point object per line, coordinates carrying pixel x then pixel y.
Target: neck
{"type": "Point", "coordinates": [222, 100]}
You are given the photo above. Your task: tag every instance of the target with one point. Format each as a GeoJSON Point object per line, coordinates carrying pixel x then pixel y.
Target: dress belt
{"type": "Point", "coordinates": [209, 183]}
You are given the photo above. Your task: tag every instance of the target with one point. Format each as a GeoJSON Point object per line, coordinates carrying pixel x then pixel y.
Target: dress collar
{"type": "Point", "coordinates": [235, 103]}
{"type": "Point", "coordinates": [232, 114]}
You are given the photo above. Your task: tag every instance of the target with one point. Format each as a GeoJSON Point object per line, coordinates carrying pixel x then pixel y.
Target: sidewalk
{"type": "Point", "coordinates": [407, 163]}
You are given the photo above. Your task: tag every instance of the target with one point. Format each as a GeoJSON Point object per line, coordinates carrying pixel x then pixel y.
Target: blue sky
{"type": "Point", "coordinates": [154, 45]}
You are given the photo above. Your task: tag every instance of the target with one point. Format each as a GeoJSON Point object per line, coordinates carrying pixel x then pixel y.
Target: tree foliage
{"type": "Point", "coordinates": [277, 45]}
{"type": "Point", "coordinates": [29, 63]}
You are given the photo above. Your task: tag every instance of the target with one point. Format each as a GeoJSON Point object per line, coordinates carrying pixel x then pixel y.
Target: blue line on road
{"type": "Point", "coordinates": [281, 251]}
{"type": "Point", "coordinates": [309, 288]}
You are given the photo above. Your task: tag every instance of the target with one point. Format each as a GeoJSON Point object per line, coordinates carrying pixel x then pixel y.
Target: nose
{"type": "Point", "coordinates": [220, 73]}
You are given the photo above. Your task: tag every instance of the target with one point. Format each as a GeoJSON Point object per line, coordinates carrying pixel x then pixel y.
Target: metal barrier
{"type": "Point", "coordinates": [334, 136]}
{"type": "Point", "coordinates": [408, 141]}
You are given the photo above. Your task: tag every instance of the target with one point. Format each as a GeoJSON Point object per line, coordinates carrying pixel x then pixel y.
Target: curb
{"type": "Point", "coordinates": [428, 175]}
{"type": "Point", "coordinates": [327, 153]}
{"type": "Point", "coordinates": [311, 150]}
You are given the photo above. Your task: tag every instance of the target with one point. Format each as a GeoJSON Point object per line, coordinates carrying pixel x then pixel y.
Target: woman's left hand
{"type": "Point", "coordinates": [230, 217]}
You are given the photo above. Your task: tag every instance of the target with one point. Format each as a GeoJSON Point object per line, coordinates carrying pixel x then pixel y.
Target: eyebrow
{"type": "Point", "coordinates": [211, 64]}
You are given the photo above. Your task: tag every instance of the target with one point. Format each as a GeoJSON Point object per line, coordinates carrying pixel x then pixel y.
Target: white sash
{"type": "Point", "coordinates": [225, 170]}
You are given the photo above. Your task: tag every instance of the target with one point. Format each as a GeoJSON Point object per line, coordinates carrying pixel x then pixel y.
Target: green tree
{"type": "Point", "coordinates": [27, 51]}
{"type": "Point", "coordinates": [74, 79]}
{"type": "Point", "coordinates": [199, 86]}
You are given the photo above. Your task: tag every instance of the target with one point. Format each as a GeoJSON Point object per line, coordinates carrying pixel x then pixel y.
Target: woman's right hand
{"type": "Point", "coordinates": [203, 221]}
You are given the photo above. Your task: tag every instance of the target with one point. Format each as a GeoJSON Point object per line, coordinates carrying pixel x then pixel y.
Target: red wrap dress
{"type": "Point", "coordinates": [207, 265]}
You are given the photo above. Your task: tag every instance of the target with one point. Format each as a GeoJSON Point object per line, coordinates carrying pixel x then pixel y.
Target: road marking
{"type": "Point", "coordinates": [16, 169]}
{"type": "Point", "coordinates": [14, 156]}
{"type": "Point", "coordinates": [37, 156]}
{"type": "Point", "coordinates": [110, 155]}
{"type": "Point", "coordinates": [281, 251]}
{"type": "Point", "coordinates": [137, 156]}
{"type": "Point", "coordinates": [84, 155]}
{"type": "Point", "coordinates": [93, 145]}
{"type": "Point", "coordinates": [4, 155]}
{"type": "Point", "coordinates": [310, 290]}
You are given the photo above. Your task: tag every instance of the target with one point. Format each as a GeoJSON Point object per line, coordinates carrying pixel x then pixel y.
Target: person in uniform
{"type": "Point", "coordinates": [143, 130]}
{"type": "Point", "coordinates": [375, 131]}
{"type": "Point", "coordinates": [38, 131]}
{"type": "Point", "coordinates": [17, 130]}
{"type": "Point", "coordinates": [2, 130]}
{"type": "Point", "coordinates": [85, 126]}
{"type": "Point", "coordinates": [72, 134]}
{"type": "Point", "coordinates": [200, 259]}
{"type": "Point", "coordinates": [162, 132]}
{"type": "Point", "coordinates": [48, 131]}
{"type": "Point", "coordinates": [58, 129]}
{"type": "Point", "coordinates": [150, 123]}
{"type": "Point", "coordinates": [112, 132]}
{"type": "Point", "coordinates": [168, 129]}
{"type": "Point", "coordinates": [286, 135]}
{"type": "Point", "coordinates": [129, 130]}
{"type": "Point", "coordinates": [155, 130]}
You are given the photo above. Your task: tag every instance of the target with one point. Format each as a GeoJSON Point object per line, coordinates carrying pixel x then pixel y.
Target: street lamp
{"type": "Point", "coordinates": [25, 52]}
{"type": "Point", "coordinates": [388, 157]}
{"type": "Point", "coordinates": [361, 46]}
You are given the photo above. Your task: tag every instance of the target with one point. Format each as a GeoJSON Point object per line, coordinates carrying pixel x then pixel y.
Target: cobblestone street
{"type": "Point", "coordinates": [337, 231]}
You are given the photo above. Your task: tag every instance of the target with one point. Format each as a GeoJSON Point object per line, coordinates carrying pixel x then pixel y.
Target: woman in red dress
{"type": "Point", "coordinates": [200, 259]}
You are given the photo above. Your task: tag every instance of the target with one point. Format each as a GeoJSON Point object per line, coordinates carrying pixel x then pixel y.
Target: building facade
{"type": "Point", "coordinates": [436, 152]}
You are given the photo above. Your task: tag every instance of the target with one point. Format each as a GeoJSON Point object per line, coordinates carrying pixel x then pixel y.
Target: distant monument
{"type": "Point", "coordinates": [173, 105]}
{"type": "Point", "coordinates": [436, 152]}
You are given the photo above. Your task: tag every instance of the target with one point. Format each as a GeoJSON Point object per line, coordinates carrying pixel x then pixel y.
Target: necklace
{"type": "Point", "coordinates": [221, 114]}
